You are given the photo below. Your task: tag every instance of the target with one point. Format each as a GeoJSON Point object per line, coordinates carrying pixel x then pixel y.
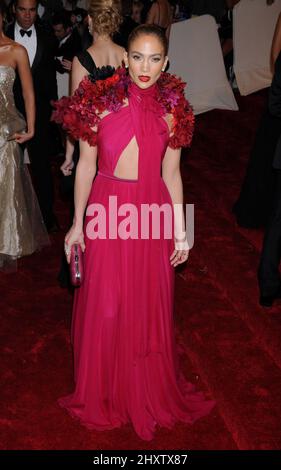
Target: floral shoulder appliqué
{"type": "Point", "coordinates": [171, 96]}
{"type": "Point", "coordinates": [80, 114]}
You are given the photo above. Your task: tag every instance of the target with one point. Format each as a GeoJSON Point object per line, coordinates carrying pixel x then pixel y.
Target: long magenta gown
{"type": "Point", "coordinates": [125, 360]}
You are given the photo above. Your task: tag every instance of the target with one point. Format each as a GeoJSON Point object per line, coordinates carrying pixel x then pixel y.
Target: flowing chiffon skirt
{"type": "Point", "coordinates": [125, 359]}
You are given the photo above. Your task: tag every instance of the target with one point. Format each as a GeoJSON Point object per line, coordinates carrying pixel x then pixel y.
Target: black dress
{"type": "Point", "coordinates": [67, 182]}
{"type": "Point", "coordinates": [253, 206]}
{"type": "Point", "coordinates": [268, 272]}
{"type": "Point", "coordinates": [95, 73]}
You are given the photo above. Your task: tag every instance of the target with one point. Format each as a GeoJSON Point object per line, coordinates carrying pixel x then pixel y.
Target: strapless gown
{"type": "Point", "coordinates": [22, 229]}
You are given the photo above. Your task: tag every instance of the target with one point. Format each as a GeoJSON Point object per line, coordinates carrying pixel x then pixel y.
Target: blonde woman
{"type": "Point", "coordinates": [100, 59]}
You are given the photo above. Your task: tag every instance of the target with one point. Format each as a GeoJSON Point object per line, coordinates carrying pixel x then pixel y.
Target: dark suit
{"type": "Point", "coordinates": [45, 89]}
{"type": "Point", "coordinates": [70, 48]}
{"type": "Point", "coordinates": [208, 7]}
{"type": "Point", "coordinates": [268, 273]}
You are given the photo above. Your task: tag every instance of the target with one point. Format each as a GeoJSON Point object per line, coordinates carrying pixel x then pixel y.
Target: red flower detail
{"type": "Point", "coordinates": [171, 91]}
{"type": "Point", "coordinates": [80, 113]}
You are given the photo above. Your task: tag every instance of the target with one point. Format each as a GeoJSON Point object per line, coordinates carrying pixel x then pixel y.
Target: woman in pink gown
{"type": "Point", "coordinates": [125, 359]}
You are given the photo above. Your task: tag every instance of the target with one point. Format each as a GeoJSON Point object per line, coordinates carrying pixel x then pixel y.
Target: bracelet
{"type": "Point", "coordinates": [181, 245]}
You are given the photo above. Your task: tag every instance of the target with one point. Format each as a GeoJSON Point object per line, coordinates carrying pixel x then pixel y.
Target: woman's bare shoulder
{"type": "Point", "coordinates": [19, 51]}
{"type": "Point", "coordinates": [8, 45]}
{"type": "Point", "coordinates": [76, 65]}
{"type": "Point", "coordinates": [5, 41]}
{"type": "Point", "coordinates": [18, 48]}
{"type": "Point", "coordinates": [13, 50]}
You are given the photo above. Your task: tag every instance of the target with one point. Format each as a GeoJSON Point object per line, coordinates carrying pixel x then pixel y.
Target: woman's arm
{"type": "Point", "coordinates": [85, 173]}
{"type": "Point", "coordinates": [172, 178]}
{"type": "Point", "coordinates": [77, 74]}
{"type": "Point", "coordinates": [68, 163]}
{"type": "Point", "coordinates": [151, 15]}
{"type": "Point", "coordinates": [23, 67]}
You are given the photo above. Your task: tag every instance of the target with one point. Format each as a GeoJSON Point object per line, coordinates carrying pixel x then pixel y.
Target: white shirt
{"type": "Point", "coordinates": [62, 41]}
{"type": "Point", "coordinates": [29, 43]}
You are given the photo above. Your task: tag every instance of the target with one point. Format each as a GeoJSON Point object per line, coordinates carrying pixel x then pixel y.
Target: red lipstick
{"type": "Point", "coordinates": [144, 78]}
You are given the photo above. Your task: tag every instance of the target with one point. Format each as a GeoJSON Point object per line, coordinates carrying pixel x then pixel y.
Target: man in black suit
{"type": "Point", "coordinates": [268, 273]}
{"type": "Point", "coordinates": [68, 44]}
{"type": "Point", "coordinates": [40, 47]}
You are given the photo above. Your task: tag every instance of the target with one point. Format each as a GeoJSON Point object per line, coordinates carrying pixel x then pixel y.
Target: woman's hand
{"type": "Point", "coordinates": [67, 166]}
{"type": "Point", "coordinates": [75, 235]}
{"type": "Point", "coordinates": [20, 138]}
{"type": "Point", "coordinates": [180, 253]}
{"type": "Point", "coordinates": [179, 257]}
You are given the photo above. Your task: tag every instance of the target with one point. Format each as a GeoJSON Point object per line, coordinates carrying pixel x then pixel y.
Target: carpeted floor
{"type": "Point", "coordinates": [229, 345]}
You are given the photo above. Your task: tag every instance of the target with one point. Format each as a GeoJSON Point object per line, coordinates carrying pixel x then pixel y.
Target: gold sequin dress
{"type": "Point", "coordinates": [22, 230]}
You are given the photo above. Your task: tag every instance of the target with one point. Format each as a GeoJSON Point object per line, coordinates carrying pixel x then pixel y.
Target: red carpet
{"type": "Point", "coordinates": [229, 345]}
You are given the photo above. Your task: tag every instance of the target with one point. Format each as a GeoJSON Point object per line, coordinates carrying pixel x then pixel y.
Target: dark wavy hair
{"type": "Point", "coordinates": [149, 29]}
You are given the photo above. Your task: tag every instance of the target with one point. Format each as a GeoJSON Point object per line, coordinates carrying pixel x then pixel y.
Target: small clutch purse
{"type": "Point", "coordinates": [76, 265]}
